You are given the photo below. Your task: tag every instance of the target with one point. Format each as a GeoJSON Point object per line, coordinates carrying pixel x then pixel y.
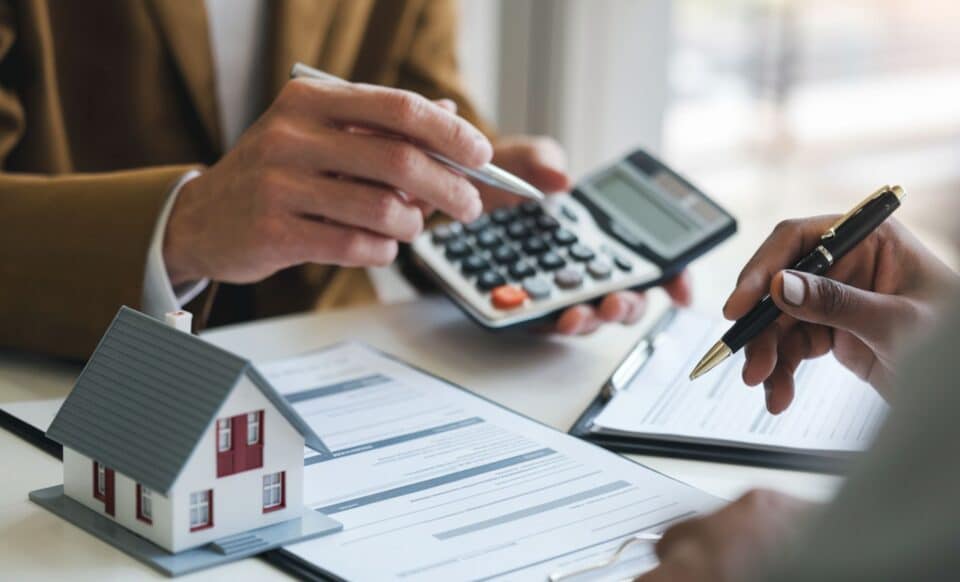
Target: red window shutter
{"type": "Point", "coordinates": [225, 464]}
{"type": "Point", "coordinates": [108, 502]}
{"type": "Point", "coordinates": [239, 423]}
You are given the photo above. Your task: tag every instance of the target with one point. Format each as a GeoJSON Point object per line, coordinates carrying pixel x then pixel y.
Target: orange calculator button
{"type": "Point", "coordinates": [508, 297]}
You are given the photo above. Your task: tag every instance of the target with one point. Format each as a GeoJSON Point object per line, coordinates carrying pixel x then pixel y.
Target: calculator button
{"type": "Point", "coordinates": [457, 249]}
{"type": "Point", "coordinates": [569, 213]}
{"type": "Point", "coordinates": [478, 224]}
{"type": "Point", "coordinates": [535, 246]}
{"type": "Point", "coordinates": [508, 297]}
{"type": "Point", "coordinates": [490, 280]}
{"type": "Point", "coordinates": [537, 288]}
{"type": "Point", "coordinates": [503, 215]}
{"type": "Point", "coordinates": [505, 255]}
{"type": "Point", "coordinates": [474, 264]}
{"type": "Point", "coordinates": [564, 237]}
{"type": "Point", "coordinates": [547, 222]}
{"type": "Point", "coordinates": [442, 234]}
{"type": "Point", "coordinates": [531, 208]}
{"type": "Point", "coordinates": [568, 278]}
{"type": "Point", "coordinates": [488, 239]}
{"type": "Point", "coordinates": [456, 228]}
{"type": "Point", "coordinates": [599, 268]}
{"type": "Point", "coordinates": [551, 262]}
{"type": "Point", "coordinates": [623, 264]}
{"type": "Point", "coordinates": [521, 270]}
{"type": "Point", "coordinates": [517, 230]}
{"type": "Point", "coordinates": [579, 252]}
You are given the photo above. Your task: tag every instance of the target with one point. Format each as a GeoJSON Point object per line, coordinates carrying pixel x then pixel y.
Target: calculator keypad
{"type": "Point", "coordinates": [522, 254]}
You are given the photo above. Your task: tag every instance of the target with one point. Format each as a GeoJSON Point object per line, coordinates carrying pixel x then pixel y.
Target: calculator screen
{"type": "Point", "coordinates": [641, 207]}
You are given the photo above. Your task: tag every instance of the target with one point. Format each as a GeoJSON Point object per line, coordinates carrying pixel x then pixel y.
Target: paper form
{"type": "Point", "coordinates": [434, 483]}
{"type": "Point", "coordinates": [833, 412]}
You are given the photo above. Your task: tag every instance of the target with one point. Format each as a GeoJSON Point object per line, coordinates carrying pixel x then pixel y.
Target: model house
{"type": "Point", "coordinates": [179, 441]}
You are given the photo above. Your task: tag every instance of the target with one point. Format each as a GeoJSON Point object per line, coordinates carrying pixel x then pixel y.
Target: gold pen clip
{"type": "Point", "coordinates": [832, 231]}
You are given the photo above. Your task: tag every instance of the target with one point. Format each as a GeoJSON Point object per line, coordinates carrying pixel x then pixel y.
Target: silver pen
{"type": "Point", "coordinates": [488, 173]}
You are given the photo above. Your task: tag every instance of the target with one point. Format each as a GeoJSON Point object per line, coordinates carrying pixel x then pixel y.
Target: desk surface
{"type": "Point", "coordinates": [548, 378]}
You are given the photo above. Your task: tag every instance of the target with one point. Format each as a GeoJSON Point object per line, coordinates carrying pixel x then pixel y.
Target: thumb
{"type": "Point", "coordinates": [824, 301]}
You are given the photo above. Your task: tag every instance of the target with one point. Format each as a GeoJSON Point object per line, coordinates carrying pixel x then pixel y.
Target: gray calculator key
{"type": "Point", "coordinates": [599, 268]}
{"type": "Point", "coordinates": [474, 264]}
{"type": "Point", "coordinates": [568, 278]}
{"type": "Point", "coordinates": [490, 280]}
{"type": "Point", "coordinates": [488, 239]}
{"type": "Point", "coordinates": [457, 249]}
{"type": "Point", "coordinates": [579, 252]}
{"type": "Point", "coordinates": [478, 224]}
{"type": "Point", "coordinates": [505, 255]}
{"type": "Point", "coordinates": [517, 230]}
{"type": "Point", "coordinates": [535, 246]}
{"type": "Point", "coordinates": [521, 270]}
{"type": "Point", "coordinates": [547, 222]}
{"type": "Point", "coordinates": [623, 264]}
{"type": "Point", "coordinates": [564, 237]}
{"type": "Point", "coordinates": [551, 262]}
{"type": "Point", "coordinates": [442, 234]}
{"type": "Point", "coordinates": [503, 215]}
{"type": "Point", "coordinates": [531, 208]}
{"type": "Point", "coordinates": [537, 288]}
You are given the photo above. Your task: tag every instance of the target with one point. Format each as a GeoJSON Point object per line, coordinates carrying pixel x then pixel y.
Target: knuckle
{"type": "Point", "coordinates": [405, 107]}
{"type": "Point", "coordinates": [402, 159]}
{"type": "Point", "coordinates": [834, 299]}
{"type": "Point", "coordinates": [385, 210]}
{"type": "Point", "coordinates": [789, 227]}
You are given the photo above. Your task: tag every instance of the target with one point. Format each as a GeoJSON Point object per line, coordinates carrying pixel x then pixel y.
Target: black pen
{"type": "Point", "coordinates": [836, 242]}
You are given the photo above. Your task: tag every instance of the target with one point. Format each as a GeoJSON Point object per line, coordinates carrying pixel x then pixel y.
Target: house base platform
{"type": "Point", "coordinates": [310, 525]}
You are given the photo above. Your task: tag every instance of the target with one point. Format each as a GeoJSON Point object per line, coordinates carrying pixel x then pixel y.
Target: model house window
{"type": "Point", "coordinates": [224, 436]}
{"type": "Point", "coordinates": [144, 504]}
{"type": "Point", "coordinates": [274, 496]}
{"type": "Point", "coordinates": [201, 510]}
{"type": "Point", "coordinates": [100, 482]}
{"type": "Point", "coordinates": [253, 427]}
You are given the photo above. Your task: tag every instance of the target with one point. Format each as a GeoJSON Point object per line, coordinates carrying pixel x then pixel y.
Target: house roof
{"type": "Point", "coordinates": [148, 394]}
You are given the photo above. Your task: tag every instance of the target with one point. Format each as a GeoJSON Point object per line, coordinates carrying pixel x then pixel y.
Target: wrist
{"type": "Point", "coordinates": [178, 248]}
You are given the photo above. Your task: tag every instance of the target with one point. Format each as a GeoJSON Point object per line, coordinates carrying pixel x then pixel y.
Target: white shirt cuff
{"type": "Point", "coordinates": [159, 296]}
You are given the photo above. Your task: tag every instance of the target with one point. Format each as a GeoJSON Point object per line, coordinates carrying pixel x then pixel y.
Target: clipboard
{"type": "Point", "coordinates": [630, 367]}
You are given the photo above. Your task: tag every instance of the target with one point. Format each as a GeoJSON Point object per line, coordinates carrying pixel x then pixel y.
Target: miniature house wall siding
{"type": "Point", "coordinates": [78, 484]}
{"type": "Point", "coordinates": [237, 498]}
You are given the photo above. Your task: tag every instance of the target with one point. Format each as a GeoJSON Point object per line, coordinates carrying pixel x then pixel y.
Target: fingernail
{"type": "Point", "coordinates": [794, 291]}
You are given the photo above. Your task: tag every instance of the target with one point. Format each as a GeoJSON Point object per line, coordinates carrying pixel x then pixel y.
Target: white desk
{"type": "Point", "coordinates": [548, 378]}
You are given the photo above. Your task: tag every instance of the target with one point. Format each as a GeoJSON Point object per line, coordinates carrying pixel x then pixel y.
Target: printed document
{"type": "Point", "coordinates": [833, 412]}
{"type": "Point", "coordinates": [434, 483]}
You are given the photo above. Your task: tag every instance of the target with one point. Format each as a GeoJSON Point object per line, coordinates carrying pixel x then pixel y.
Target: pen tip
{"type": "Point", "coordinates": [717, 354]}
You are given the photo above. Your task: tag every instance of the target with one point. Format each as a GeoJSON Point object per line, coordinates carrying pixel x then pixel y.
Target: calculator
{"type": "Point", "coordinates": [631, 225]}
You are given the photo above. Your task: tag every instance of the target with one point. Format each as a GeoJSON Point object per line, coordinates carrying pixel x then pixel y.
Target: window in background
{"type": "Point", "coordinates": [803, 107]}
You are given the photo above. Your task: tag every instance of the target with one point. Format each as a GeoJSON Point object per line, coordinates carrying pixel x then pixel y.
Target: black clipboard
{"type": "Point", "coordinates": [638, 356]}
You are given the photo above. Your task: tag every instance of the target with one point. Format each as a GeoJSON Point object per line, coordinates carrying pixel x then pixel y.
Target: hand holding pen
{"type": "Point", "coordinates": [880, 291]}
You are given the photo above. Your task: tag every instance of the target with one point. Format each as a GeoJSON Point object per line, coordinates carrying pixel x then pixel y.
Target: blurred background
{"type": "Point", "coordinates": [775, 108]}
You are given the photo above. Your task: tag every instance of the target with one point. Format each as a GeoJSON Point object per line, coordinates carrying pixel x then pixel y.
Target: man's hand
{"type": "Point", "coordinates": [318, 178]}
{"type": "Point", "coordinates": [730, 544]}
{"type": "Point", "coordinates": [541, 161]}
{"type": "Point", "coordinates": [886, 288]}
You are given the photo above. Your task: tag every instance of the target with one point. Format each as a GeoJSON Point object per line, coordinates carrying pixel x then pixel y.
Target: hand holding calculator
{"type": "Point", "coordinates": [631, 225]}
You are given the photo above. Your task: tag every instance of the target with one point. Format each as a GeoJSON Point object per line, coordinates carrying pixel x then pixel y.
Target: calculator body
{"type": "Point", "coordinates": [631, 225]}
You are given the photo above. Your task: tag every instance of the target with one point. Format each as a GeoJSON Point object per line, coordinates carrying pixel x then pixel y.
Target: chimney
{"type": "Point", "coordinates": [182, 320]}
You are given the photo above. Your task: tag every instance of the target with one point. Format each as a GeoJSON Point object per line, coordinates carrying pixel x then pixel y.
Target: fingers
{"type": "Point", "coordinates": [775, 360]}
{"type": "Point", "coordinates": [626, 307]}
{"type": "Point", "coordinates": [761, 355]}
{"type": "Point", "coordinates": [404, 167]}
{"type": "Point", "coordinates": [375, 208]}
{"type": "Point", "coordinates": [820, 300]}
{"type": "Point", "coordinates": [788, 241]}
{"type": "Point", "coordinates": [578, 320]}
{"type": "Point", "coordinates": [310, 241]}
{"type": "Point", "coordinates": [680, 289]}
{"type": "Point", "coordinates": [399, 112]}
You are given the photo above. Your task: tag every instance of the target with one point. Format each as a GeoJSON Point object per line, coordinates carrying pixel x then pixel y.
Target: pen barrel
{"type": "Point", "coordinates": [766, 312]}
{"type": "Point", "coordinates": [860, 225]}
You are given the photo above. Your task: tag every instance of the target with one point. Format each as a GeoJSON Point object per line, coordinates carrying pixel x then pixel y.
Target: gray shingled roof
{"type": "Point", "coordinates": [147, 395]}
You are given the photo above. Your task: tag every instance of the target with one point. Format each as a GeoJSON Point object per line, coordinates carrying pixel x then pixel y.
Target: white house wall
{"type": "Point", "coordinates": [237, 498]}
{"type": "Point", "coordinates": [78, 485]}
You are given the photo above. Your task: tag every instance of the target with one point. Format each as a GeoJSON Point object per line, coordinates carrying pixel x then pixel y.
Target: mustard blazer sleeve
{"type": "Point", "coordinates": [72, 246]}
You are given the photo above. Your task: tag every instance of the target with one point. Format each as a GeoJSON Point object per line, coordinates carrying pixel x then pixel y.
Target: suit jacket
{"type": "Point", "coordinates": [105, 103]}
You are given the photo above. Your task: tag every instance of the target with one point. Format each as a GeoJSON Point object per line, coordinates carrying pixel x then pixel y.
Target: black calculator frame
{"type": "Point", "coordinates": [647, 164]}
{"type": "Point", "coordinates": [669, 268]}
